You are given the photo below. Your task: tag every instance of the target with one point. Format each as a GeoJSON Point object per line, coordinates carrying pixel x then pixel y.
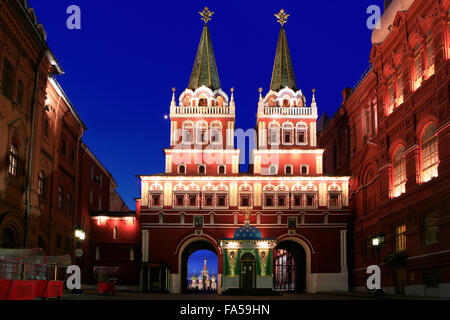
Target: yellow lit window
{"type": "Point", "coordinates": [429, 154]}
{"type": "Point", "coordinates": [400, 238]}
{"type": "Point", "coordinates": [399, 172]}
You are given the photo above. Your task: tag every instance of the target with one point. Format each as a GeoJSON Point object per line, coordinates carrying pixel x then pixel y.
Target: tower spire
{"type": "Point", "coordinates": [283, 71]}
{"type": "Point", "coordinates": [204, 72]}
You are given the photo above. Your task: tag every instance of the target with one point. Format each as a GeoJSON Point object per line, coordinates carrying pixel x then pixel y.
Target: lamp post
{"type": "Point", "coordinates": [80, 235]}
{"type": "Point", "coordinates": [377, 243]}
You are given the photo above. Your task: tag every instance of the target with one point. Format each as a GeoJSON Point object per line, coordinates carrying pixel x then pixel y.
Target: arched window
{"type": "Point", "coordinates": [399, 172]}
{"type": "Point", "coordinates": [13, 160]}
{"type": "Point", "coordinates": [202, 169]}
{"type": "Point", "coordinates": [60, 197]}
{"type": "Point", "coordinates": [288, 133]}
{"type": "Point", "coordinates": [304, 169]}
{"type": "Point", "coordinates": [41, 183]}
{"type": "Point", "coordinates": [201, 129]}
{"type": "Point", "coordinates": [202, 102]}
{"type": "Point", "coordinates": [288, 169]}
{"type": "Point", "coordinates": [181, 169]}
{"type": "Point", "coordinates": [221, 169]}
{"type": "Point", "coordinates": [418, 66]}
{"type": "Point", "coordinates": [274, 134]}
{"type": "Point", "coordinates": [216, 133]}
{"type": "Point", "coordinates": [429, 153]}
{"type": "Point", "coordinates": [187, 132]}
{"type": "Point", "coordinates": [301, 134]}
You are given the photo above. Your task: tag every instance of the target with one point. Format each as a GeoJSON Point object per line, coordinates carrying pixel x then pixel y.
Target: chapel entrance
{"type": "Point", "coordinates": [248, 271]}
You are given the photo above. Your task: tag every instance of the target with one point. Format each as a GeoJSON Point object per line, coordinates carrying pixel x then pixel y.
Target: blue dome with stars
{"type": "Point", "coordinates": [247, 232]}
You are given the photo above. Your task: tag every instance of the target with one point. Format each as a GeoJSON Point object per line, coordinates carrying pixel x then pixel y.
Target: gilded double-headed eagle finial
{"type": "Point", "coordinates": [206, 14]}
{"type": "Point", "coordinates": [282, 16]}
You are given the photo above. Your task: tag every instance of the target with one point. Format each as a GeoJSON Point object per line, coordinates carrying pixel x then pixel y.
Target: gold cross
{"type": "Point", "coordinates": [282, 16]}
{"type": "Point", "coordinates": [206, 14]}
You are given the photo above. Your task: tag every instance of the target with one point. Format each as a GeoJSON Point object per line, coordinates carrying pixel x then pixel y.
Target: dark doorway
{"type": "Point", "coordinates": [248, 272]}
{"type": "Point", "coordinates": [289, 267]}
{"type": "Point", "coordinates": [9, 239]}
{"type": "Point", "coordinates": [187, 253]}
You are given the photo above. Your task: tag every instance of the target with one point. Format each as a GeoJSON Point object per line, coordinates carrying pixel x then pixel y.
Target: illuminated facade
{"type": "Point", "coordinates": [391, 135]}
{"type": "Point", "coordinates": [199, 201]}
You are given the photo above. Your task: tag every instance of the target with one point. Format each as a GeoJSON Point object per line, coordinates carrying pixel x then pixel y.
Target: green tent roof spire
{"type": "Point", "coordinates": [205, 71]}
{"type": "Point", "coordinates": [283, 71]}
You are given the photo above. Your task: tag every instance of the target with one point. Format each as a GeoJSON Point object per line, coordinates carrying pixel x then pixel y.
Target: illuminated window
{"type": "Point", "coordinates": [429, 153]}
{"type": "Point", "coordinates": [13, 160]}
{"type": "Point", "coordinates": [400, 238]}
{"type": "Point", "coordinates": [430, 228]}
{"type": "Point", "coordinates": [399, 172]}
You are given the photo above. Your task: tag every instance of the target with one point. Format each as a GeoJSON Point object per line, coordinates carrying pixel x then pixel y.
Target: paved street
{"type": "Point", "coordinates": [92, 295]}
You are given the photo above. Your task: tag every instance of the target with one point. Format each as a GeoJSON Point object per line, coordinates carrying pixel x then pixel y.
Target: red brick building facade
{"type": "Point", "coordinates": [391, 135]}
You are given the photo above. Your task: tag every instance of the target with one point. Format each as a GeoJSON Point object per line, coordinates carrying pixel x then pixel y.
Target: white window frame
{"type": "Point", "coordinates": [289, 166]}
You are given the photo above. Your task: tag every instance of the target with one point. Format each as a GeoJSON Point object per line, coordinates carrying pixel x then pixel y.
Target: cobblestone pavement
{"type": "Point", "coordinates": [92, 295]}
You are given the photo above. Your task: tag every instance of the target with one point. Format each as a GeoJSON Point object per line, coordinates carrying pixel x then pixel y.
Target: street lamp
{"type": "Point", "coordinates": [377, 243]}
{"type": "Point", "coordinates": [80, 235]}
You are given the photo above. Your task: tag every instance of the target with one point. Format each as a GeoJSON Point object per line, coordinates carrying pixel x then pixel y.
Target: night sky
{"type": "Point", "coordinates": [120, 67]}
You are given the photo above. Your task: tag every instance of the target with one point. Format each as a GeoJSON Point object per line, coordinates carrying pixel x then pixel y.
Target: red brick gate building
{"type": "Point", "coordinates": [295, 229]}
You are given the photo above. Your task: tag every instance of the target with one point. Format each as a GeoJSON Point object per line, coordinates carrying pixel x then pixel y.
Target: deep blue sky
{"type": "Point", "coordinates": [120, 67]}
